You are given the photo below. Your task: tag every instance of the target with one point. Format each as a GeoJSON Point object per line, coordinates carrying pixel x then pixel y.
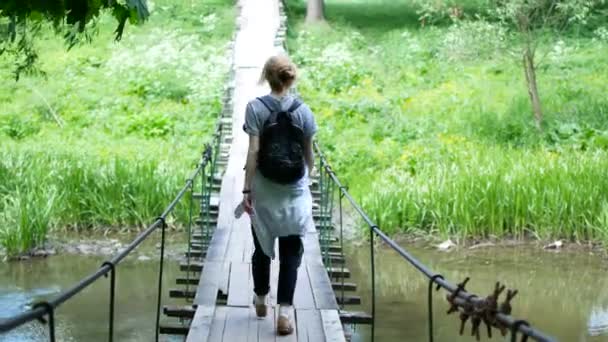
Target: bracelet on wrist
{"type": "Point", "coordinates": [246, 191]}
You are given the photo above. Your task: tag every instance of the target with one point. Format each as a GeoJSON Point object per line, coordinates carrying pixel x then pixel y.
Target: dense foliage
{"type": "Point", "coordinates": [22, 21]}
{"type": "Point", "coordinates": [431, 125]}
{"type": "Point", "coordinates": [78, 13]}
{"type": "Point", "coordinates": [109, 135]}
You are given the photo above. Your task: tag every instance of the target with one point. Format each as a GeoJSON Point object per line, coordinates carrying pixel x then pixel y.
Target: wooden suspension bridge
{"type": "Point", "coordinates": [219, 283]}
{"type": "Point", "coordinates": [216, 292]}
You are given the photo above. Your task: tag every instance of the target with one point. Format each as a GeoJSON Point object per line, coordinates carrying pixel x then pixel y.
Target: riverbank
{"type": "Point", "coordinates": [103, 245]}
{"type": "Point", "coordinates": [111, 243]}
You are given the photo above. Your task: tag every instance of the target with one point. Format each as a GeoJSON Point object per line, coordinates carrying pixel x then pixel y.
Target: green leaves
{"type": "Point", "coordinates": [71, 18]}
{"type": "Point", "coordinates": [76, 13]}
{"type": "Point", "coordinates": [135, 11]}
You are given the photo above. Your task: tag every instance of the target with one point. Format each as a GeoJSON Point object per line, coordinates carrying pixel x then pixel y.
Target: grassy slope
{"type": "Point", "coordinates": [438, 118]}
{"type": "Point", "coordinates": [136, 115]}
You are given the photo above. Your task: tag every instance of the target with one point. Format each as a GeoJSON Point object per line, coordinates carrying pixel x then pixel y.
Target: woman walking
{"type": "Point", "coordinates": [276, 193]}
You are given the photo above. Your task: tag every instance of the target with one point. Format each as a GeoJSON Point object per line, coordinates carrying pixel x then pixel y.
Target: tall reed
{"type": "Point", "coordinates": [492, 191]}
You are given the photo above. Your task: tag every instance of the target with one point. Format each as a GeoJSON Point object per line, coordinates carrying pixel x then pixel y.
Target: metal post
{"type": "Point", "coordinates": [430, 303]}
{"type": "Point", "coordinates": [51, 312]}
{"type": "Point", "coordinates": [189, 231]}
{"type": "Point", "coordinates": [112, 298]}
{"type": "Point", "coordinates": [515, 328]}
{"type": "Point", "coordinates": [211, 155]}
{"type": "Point", "coordinates": [330, 215]}
{"type": "Point", "coordinates": [160, 274]}
{"type": "Point", "coordinates": [373, 271]}
{"type": "Point", "coordinates": [321, 202]}
{"type": "Point", "coordinates": [203, 202]}
{"type": "Point", "coordinates": [203, 227]}
{"type": "Point", "coordinates": [342, 241]}
{"type": "Point", "coordinates": [323, 232]}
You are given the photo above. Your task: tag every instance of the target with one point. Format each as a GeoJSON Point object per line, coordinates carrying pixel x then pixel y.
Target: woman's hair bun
{"type": "Point", "coordinates": [287, 73]}
{"type": "Point", "coordinates": [280, 72]}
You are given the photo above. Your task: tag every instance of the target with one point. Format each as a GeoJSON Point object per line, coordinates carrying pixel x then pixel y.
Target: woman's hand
{"type": "Point", "coordinates": [247, 203]}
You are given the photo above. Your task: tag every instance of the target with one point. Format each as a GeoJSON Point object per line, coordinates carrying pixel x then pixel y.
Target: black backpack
{"type": "Point", "coordinates": [281, 153]}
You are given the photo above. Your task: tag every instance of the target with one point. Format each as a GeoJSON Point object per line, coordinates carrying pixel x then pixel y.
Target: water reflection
{"type": "Point", "coordinates": [564, 294]}
{"type": "Point", "coordinates": [85, 317]}
{"type": "Point", "coordinates": [597, 324]}
{"type": "Point", "coordinates": [14, 300]}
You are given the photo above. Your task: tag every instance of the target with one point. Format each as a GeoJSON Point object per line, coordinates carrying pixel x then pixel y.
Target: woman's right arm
{"type": "Point", "coordinates": [251, 128]}
{"type": "Point", "coordinates": [310, 128]}
{"type": "Point", "coordinates": [309, 155]}
{"type": "Point", "coordinates": [252, 157]}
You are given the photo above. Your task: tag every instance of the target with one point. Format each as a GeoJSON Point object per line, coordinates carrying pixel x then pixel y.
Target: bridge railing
{"type": "Point", "coordinates": [469, 306]}
{"type": "Point", "coordinates": [45, 311]}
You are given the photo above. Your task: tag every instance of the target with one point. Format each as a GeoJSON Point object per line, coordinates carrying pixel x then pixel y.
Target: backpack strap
{"type": "Point", "coordinates": [295, 105]}
{"type": "Point", "coordinates": [261, 99]}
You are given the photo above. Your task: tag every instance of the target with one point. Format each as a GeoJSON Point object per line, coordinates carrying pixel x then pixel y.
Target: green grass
{"type": "Point", "coordinates": [438, 118]}
{"type": "Point", "coordinates": [133, 117]}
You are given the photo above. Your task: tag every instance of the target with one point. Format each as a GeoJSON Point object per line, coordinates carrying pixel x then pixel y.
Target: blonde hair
{"type": "Point", "coordinates": [280, 73]}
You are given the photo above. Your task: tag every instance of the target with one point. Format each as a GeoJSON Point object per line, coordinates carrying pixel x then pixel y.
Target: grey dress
{"type": "Point", "coordinates": [279, 210]}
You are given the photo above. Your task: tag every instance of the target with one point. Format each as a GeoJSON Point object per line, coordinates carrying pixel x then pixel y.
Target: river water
{"type": "Point", "coordinates": [85, 317]}
{"type": "Point", "coordinates": [564, 294]}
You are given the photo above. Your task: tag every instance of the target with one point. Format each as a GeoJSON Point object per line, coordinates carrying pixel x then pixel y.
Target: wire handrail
{"type": "Point", "coordinates": [459, 299]}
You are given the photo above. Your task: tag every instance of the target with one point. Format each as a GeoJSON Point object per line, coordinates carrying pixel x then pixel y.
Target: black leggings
{"type": "Point", "coordinates": [290, 257]}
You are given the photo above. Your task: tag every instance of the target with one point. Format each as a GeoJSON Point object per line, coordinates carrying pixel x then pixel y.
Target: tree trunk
{"type": "Point", "coordinates": [314, 11]}
{"type": "Point", "coordinates": [530, 71]}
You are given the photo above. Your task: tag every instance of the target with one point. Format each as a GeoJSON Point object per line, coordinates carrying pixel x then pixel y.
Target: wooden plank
{"type": "Point", "coordinates": [348, 300]}
{"type": "Point", "coordinates": [338, 286]}
{"type": "Point", "coordinates": [248, 250]}
{"type": "Point", "coordinates": [302, 322]}
{"type": "Point", "coordinates": [201, 324]}
{"type": "Point", "coordinates": [332, 327]}
{"type": "Point", "coordinates": [172, 329]}
{"type": "Point", "coordinates": [312, 252]}
{"type": "Point", "coordinates": [252, 326]}
{"type": "Point", "coordinates": [321, 288]}
{"type": "Point", "coordinates": [192, 266]}
{"type": "Point", "coordinates": [240, 291]}
{"type": "Point", "coordinates": [266, 331]}
{"type": "Point", "coordinates": [293, 337]}
{"type": "Point", "coordinates": [179, 311]}
{"type": "Point", "coordinates": [310, 327]}
{"type": "Point", "coordinates": [303, 297]}
{"type": "Point", "coordinates": [181, 293]}
{"type": "Point", "coordinates": [187, 281]}
{"type": "Point", "coordinates": [338, 272]}
{"type": "Point", "coordinates": [218, 244]}
{"type": "Point", "coordinates": [238, 238]}
{"type": "Point", "coordinates": [355, 317]}
{"type": "Point", "coordinates": [223, 282]}
{"type": "Point", "coordinates": [237, 320]}
{"type": "Point", "coordinates": [206, 293]}
{"type": "Point", "coordinates": [195, 254]}
{"type": "Point", "coordinates": [218, 324]}
{"type": "Point", "coordinates": [232, 244]}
